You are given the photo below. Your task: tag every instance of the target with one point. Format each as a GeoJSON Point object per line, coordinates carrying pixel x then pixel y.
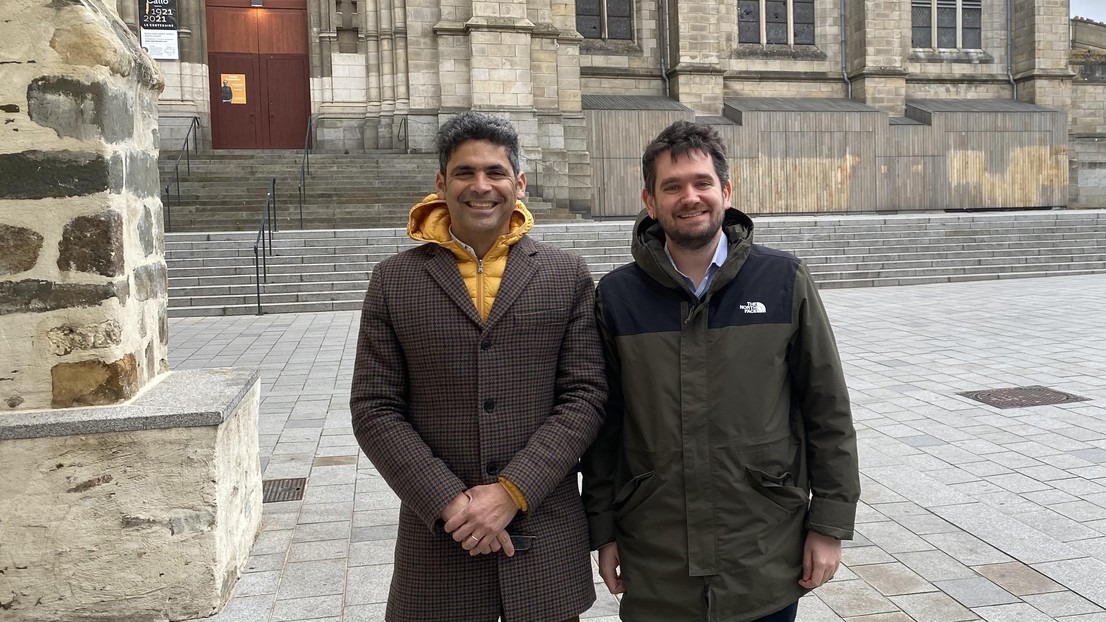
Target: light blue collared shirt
{"type": "Point", "coordinates": [721, 251]}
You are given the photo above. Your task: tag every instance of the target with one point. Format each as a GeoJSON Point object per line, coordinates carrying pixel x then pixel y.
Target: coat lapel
{"type": "Point", "coordinates": [521, 267]}
{"type": "Point", "coordinates": [442, 266]}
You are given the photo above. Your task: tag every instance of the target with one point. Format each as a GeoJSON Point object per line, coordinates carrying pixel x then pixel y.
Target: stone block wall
{"type": "Point", "coordinates": [145, 511]}
{"type": "Point", "coordinates": [83, 281]}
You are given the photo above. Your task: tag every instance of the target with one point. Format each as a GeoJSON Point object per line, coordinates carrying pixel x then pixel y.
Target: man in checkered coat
{"type": "Point", "coordinates": [478, 384]}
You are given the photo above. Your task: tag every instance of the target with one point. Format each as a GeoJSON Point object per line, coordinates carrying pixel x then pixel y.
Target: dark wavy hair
{"type": "Point", "coordinates": [678, 139]}
{"type": "Point", "coordinates": [476, 126]}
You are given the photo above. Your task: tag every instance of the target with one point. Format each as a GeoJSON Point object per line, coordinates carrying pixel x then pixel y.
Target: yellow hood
{"type": "Point", "coordinates": [429, 222]}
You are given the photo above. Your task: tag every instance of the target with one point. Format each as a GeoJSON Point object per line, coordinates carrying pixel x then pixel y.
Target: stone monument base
{"type": "Point", "coordinates": [137, 512]}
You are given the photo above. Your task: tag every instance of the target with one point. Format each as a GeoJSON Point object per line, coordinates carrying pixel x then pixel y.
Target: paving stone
{"type": "Point", "coordinates": [893, 579]}
{"type": "Point", "coordinates": [1018, 579]}
{"type": "Point", "coordinates": [1016, 482]}
{"type": "Point", "coordinates": [326, 512]}
{"type": "Point", "coordinates": [854, 598]}
{"type": "Point", "coordinates": [1015, 612]}
{"type": "Point", "coordinates": [372, 552]}
{"type": "Point", "coordinates": [1081, 510]}
{"type": "Point", "coordinates": [935, 565]}
{"type": "Point", "coordinates": [368, 584]}
{"type": "Point", "coordinates": [245, 609]}
{"type": "Point", "coordinates": [272, 542]}
{"type": "Point", "coordinates": [318, 550]}
{"type": "Point", "coordinates": [317, 493]}
{"type": "Point", "coordinates": [312, 578]}
{"type": "Point", "coordinates": [977, 592]}
{"type": "Point", "coordinates": [861, 555]}
{"type": "Point", "coordinates": [307, 608]}
{"type": "Point", "coordinates": [1065, 603]}
{"type": "Point", "coordinates": [967, 548]}
{"type": "Point", "coordinates": [378, 532]}
{"type": "Point", "coordinates": [897, 616]}
{"type": "Point", "coordinates": [390, 516]}
{"type": "Point", "coordinates": [1058, 526]}
{"type": "Point", "coordinates": [892, 537]}
{"type": "Point", "coordinates": [329, 475]}
{"type": "Point", "coordinates": [262, 563]}
{"type": "Point", "coordinates": [1001, 531]}
{"type": "Point", "coordinates": [257, 583]}
{"type": "Point", "coordinates": [364, 613]}
{"type": "Point", "coordinates": [933, 607]}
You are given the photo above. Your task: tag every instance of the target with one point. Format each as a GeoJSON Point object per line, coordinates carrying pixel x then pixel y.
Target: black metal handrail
{"type": "Point", "coordinates": [305, 164]}
{"type": "Point", "coordinates": [260, 252]}
{"type": "Point", "coordinates": [403, 134]}
{"type": "Point", "coordinates": [185, 152]}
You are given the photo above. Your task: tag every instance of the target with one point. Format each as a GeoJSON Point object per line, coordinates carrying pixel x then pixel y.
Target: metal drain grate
{"type": "Point", "coordinates": [276, 490]}
{"type": "Point", "coordinates": [1020, 397]}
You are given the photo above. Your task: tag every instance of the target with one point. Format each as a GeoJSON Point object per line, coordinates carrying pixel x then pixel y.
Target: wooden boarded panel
{"type": "Point", "coordinates": [231, 30]}
{"type": "Point", "coordinates": [282, 32]}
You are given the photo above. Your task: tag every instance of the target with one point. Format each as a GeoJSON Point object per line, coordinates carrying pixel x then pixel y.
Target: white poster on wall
{"type": "Point", "coordinates": [161, 44]}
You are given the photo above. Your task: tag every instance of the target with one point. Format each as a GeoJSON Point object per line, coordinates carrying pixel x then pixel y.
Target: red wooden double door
{"type": "Point", "coordinates": [257, 59]}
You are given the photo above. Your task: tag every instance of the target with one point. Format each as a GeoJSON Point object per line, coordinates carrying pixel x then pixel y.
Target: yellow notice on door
{"type": "Point", "coordinates": [233, 88]}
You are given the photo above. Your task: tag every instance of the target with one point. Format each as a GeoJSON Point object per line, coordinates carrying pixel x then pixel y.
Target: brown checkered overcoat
{"type": "Point", "coordinates": [442, 401]}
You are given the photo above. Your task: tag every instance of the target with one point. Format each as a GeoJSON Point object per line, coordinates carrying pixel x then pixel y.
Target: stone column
{"type": "Point", "coordinates": [82, 270]}
{"type": "Point", "coordinates": [120, 502]}
{"type": "Point", "coordinates": [877, 41]}
{"type": "Point", "coordinates": [695, 41]}
{"type": "Point", "coordinates": [1042, 47]}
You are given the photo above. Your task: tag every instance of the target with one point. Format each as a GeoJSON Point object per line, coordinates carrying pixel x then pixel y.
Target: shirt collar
{"type": "Point", "coordinates": [721, 252]}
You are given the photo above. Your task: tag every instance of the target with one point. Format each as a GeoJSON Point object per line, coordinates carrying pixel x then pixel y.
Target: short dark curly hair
{"type": "Point", "coordinates": [473, 125]}
{"type": "Point", "coordinates": [678, 139]}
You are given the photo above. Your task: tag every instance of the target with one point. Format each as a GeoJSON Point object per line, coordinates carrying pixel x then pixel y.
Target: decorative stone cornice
{"type": "Point", "coordinates": [499, 24]}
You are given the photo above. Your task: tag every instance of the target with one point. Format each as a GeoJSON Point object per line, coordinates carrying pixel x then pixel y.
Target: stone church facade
{"type": "Point", "coordinates": [826, 105]}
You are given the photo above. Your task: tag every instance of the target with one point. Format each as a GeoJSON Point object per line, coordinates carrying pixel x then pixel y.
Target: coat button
{"type": "Point", "coordinates": [485, 345]}
{"type": "Point", "coordinates": [491, 468]}
{"type": "Point", "coordinates": [489, 405]}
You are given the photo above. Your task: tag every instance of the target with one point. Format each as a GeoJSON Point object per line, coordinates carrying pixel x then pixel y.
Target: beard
{"type": "Point", "coordinates": [691, 240]}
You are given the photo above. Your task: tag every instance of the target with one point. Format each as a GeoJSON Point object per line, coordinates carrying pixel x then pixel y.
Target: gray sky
{"type": "Point", "coordinates": [1093, 9]}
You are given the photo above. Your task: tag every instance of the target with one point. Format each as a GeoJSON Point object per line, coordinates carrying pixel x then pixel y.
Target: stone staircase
{"type": "Point", "coordinates": [328, 270]}
{"type": "Point", "coordinates": [226, 190]}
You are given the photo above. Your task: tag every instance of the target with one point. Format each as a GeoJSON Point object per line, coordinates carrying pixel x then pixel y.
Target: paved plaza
{"type": "Point", "coordinates": [968, 512]}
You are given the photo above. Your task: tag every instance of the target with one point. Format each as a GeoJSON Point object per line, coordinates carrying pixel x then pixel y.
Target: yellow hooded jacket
{"type": "Point", "coordinates": [429, 222]}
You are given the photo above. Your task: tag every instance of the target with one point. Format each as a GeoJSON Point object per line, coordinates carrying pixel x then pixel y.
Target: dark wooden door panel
{"type": "Point", "coordinates": [268, 46]}
{"type": "Point", "coordinates": [286, 103]}
{"type": "Point", "coordinates": [234, 125]}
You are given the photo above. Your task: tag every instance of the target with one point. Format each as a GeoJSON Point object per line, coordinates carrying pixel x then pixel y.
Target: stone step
{"type": "Point", "coordinates": [345, 254]}
{"type": "Point", "coordinates": [213, 272]}
{"type": "Point", "coordinates": [352, 299]}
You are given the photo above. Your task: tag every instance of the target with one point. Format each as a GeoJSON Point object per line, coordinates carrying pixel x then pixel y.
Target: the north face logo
{"type": "Point", "coordinates": [753, 307]}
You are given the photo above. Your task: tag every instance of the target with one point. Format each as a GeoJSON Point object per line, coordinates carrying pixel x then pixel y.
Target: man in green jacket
{"type": "Point", "coordinates": [725, 475]}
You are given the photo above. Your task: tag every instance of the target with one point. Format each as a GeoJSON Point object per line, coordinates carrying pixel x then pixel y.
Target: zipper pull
{"type": "Point", "coordinates": [480, 266]}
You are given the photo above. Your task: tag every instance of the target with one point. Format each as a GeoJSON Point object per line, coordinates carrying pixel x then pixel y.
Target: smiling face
{"type": "Point", "coordinates": [480, 189]}
{"type": "Point", "coordinates": [688, 199]}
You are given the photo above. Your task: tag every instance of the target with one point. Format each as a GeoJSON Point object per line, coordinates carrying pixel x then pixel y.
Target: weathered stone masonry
{"type": "Point", "coordinates": [80, 222]}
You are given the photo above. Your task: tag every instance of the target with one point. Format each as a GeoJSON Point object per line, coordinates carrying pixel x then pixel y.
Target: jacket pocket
{"type": "Point", "coordinates": [540, 316]}
{"type": "Point", "coordinates": [622, 503]}
{"type": "Point", "coordinates": [779, 490]}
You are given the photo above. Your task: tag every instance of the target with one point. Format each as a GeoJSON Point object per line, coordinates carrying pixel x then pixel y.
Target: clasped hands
{"type": "Point", "coordinates": [478, 519]}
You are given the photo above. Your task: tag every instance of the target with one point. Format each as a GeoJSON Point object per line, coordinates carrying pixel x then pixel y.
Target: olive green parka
{"type": "Point", "coordinates": [728, 432]}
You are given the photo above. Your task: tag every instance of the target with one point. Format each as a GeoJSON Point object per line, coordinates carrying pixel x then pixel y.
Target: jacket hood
{"type": "Point", "coordinates": [429, 221]}
{"type": "Point", "coordinates": [648, 241]}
